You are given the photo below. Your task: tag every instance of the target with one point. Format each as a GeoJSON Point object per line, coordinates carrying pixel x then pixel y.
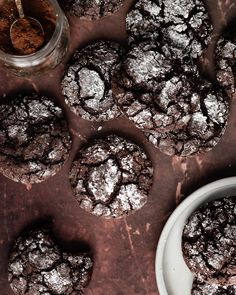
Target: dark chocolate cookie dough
{"type": "Point", "coordinates": [37, 266]}
{"type": "Point", "coordinates": [202, 288]}
{"type": "Point", "coordinates": [111, 177]}
{"type": "Point", "coordinates": [177, 110]}
{"type": "Point", "coordinates": [34, 138]}
{"type": "Point", "coordinates": [209, 242]}
{"type": "Point", "coordinates": [182, 24]}
{"type": "Point", "coordinates": [91, 9]}
{"type": "Point", "coordinates": [87, 82]}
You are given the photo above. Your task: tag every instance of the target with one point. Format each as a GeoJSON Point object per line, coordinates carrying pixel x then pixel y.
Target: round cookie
{"type": "Point", "coordinates": [209, 242]}
{"type": "Point", "coordinates": [143, 22]}
{"type": "Point", "coordinates": [91, 9]}
{"type": "Point", "coordinates": [187, 26]}
{"type": "Point", "coordinates": [34, 138]}
{"type": "Point", "coordinates": [38, 266]}
{"type": "Point", "coordinates": [86, 84]}
{"type": "Point", "coordinates": [202, 288]}
{"type": "Point", "coordinates": [111, 177]}
{"type": "Point", "coordinates": [180, 113]}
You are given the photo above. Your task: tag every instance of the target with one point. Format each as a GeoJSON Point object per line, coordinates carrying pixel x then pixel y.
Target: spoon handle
{"type": "Point", "coordinates": [20, 8]}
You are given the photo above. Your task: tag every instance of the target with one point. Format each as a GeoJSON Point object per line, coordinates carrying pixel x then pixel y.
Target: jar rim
{"type": "Point", "coordinates": [48, 47]}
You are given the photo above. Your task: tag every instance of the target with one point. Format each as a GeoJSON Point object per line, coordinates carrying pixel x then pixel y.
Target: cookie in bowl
{"type": "Point", "coordinates": [202, 288]}
{"type": "Point", "coordinates": [208, 242]}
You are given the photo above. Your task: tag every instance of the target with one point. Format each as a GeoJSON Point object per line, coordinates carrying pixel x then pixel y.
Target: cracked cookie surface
{"type": "Point", "coordinates": [86, 84]}
{"type": "Point", "coordinates": [111, 177]}
{"type": "Point", "coordinates": [202, 288]}
{"type": "Point", "coordinates": [34, 138]}
{"type": "Point", "coordinates": [143, 22]}
{"type": "Point", "coordinates": [225, 59]}
{"type": "Point", "coordinates": [37, 266]}
{"type": "Point", "coordinates": [209, 242]}
{"type": "Point", "coordinates": [182, 24]}
{"type": "Point", "coordinates": [179, 112]}
{"type": "Point", "coordinates": [91, 9]}
{"type": "Point", "coordinates": [187, 26]}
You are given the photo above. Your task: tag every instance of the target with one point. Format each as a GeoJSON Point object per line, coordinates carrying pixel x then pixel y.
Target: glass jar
{"type": "Point", "coordinates": [47, 57]}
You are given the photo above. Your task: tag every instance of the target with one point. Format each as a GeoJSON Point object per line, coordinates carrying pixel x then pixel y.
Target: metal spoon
{"type": "Point", "coordinates": [27, 34]}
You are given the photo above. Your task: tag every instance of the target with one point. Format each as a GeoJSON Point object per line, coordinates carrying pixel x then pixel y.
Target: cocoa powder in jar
{"type": "Point", "coordinates": [41, 10]}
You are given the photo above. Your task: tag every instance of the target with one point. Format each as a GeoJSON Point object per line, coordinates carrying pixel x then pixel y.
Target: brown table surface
{"type": "Point", "coordinates": [124, 250]}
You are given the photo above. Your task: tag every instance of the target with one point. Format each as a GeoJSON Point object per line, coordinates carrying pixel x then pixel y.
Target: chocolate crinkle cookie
{"type": "Point", "coordinates": [111, 177]}
{"type": "Point", "coordinates": [182, 24]}
{"type": "Point", "coordinates": [225, 59]}
{"type": "Point", "coordinates": [91, 9]}
{"type": "Point", "coordinates": [179, 112]}
{"type": "Point", "coordinates": [87, 82]}
{"type": "Point", "coordinates": [37, 266]}
{"type": "Point", "coordinates": [202, 288]}
{"type": "Point", "coordinates": [34, 138]}
{"type": "Point", "coordinates": [209, 242]}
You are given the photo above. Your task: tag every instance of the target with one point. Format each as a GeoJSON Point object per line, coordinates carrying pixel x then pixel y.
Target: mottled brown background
{"type": "Point", "coordinates": [124, 250]}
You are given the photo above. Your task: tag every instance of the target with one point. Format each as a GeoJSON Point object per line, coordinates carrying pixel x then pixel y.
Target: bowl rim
{"type": "Point", "coordinates": [199, 194]}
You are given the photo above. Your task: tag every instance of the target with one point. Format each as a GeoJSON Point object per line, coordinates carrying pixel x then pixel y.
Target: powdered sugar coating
{"type": "Point", "coordinates": [209, 242]}
{"type": "Point", "coordinates": [111, 177]}
{"type": "Point", "coordinates": [144, 21]}
{"type": "Point", "coordinates": [225, 63]}
{"type": "Point", "coordinates": [34, 138]}
{"type": "Point", "coordinates": [182, 24]}
{"type": "Point", "coordinates": [188, 26]}
{"type": "Point", "coordinates": [91, 9]}
{"type": "Point", "coordinates": [202, 288]}
{"type": "Point", "coordinates": [86, 84]}
{"type": "Point", "coordinates": [38, 266]}
{"type": "Point", "coordinates": [179, 112]}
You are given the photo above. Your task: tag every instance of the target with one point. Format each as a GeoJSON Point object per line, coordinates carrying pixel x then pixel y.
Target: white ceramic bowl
{"type": "Point", "coordinates": [172, 274]}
